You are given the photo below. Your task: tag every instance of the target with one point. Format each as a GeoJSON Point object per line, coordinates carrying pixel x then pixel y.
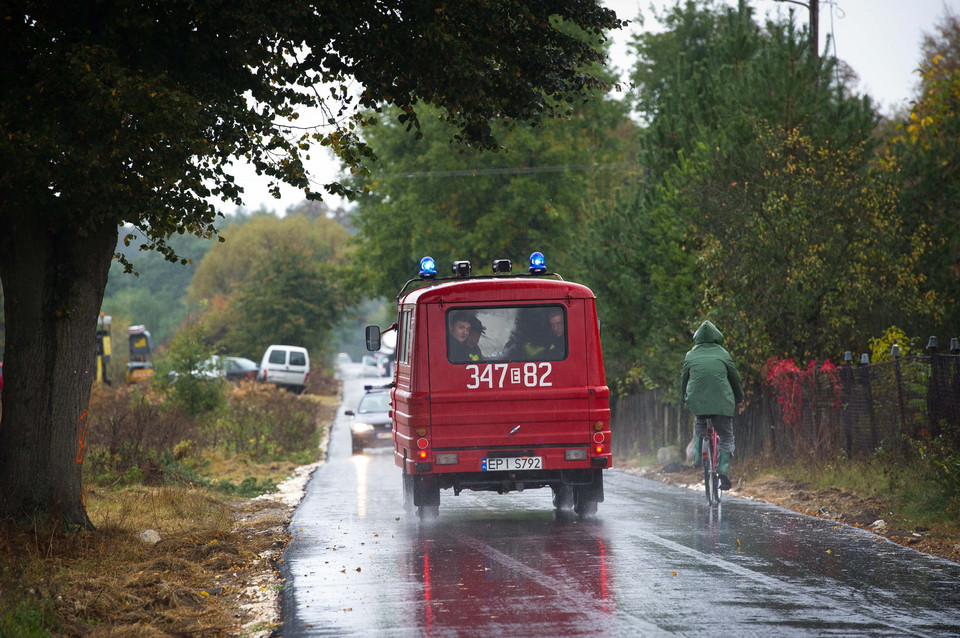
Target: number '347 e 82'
{"type": "Point", "coordinates": [502, 375]}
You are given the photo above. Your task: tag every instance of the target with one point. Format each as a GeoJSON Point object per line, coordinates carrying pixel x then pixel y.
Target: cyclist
{"type": "Point", "coordinates": [711, 389]}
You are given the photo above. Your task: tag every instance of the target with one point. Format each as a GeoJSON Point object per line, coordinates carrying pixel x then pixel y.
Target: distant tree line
{"type": "Point", "coordinates": [272, 280]}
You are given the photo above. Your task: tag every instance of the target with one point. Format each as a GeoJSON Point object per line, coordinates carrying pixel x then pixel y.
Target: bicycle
{"type": "Point", "coordinates": [711, 476]}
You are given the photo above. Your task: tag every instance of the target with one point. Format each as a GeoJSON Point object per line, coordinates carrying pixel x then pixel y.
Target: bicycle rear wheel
{"type": "Point", "coordinates": [707, 468]}
{"type": "Point", "coordinates": [711, 480]}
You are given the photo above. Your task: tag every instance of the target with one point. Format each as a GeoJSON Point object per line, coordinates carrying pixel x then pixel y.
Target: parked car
{"type": "Point", "coordinates": [370, 426]}
{"type": "Point", "coordinates": [286, 367]}
{"type": "Point", "coordinates": [343, 359]}
{"type": "Point", "coordinates": [219, 367]}
{"type": "Point", "coordinates": [384, 365]}
{"type": "Point", "coordinates": [239, 369]}
{"type": "Point", "coordinates": [206, 369]}
{"type": "Point", "coordinates": [370, 367]}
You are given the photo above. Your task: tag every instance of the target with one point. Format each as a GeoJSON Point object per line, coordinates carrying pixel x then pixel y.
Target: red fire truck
{"type": "Point", "coordinates": [498, 386]}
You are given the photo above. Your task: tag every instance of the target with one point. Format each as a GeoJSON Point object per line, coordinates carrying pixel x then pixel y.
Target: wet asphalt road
{"type": "Point", "coordinates": [656, 560]}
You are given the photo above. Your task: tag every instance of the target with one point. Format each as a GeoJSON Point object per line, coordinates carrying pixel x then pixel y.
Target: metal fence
{"type": "Point", "coordinates": [854, 409]}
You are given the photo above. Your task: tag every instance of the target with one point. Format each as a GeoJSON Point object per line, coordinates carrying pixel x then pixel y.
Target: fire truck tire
{"type": "Point", "coordinates": [407, 493]}
{"type": "Point", "coordinates": [584, 506]}
{"type": "Point", "coordinates": [428, 511]}
{"type": "Point", "coordinates": [586, 497]}
{"type": "Point", "coordinates": [584, 501]}
{"type": "Point", "coordinates": [429, 498]}
{"type": "Point", "coordinates": [562, 497]}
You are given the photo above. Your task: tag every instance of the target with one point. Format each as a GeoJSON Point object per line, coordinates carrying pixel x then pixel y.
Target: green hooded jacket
{"type": "Point", "coordinates": [710, 383]}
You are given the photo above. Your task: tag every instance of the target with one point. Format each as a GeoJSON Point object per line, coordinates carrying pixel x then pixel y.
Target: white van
{"type": "Point", "coordinates": [285, 366]}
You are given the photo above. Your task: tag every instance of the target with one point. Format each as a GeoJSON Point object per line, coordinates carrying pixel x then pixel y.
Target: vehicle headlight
{"type": "Point", "coordinates": [360, 428]}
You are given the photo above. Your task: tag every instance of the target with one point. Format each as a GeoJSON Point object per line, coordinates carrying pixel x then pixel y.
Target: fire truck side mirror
{"type": "Point", "coordinates": [373, 338]}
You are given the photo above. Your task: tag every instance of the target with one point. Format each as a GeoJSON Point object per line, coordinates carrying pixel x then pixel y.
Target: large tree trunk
{"type": "Point", "coordinates": [53, 283]}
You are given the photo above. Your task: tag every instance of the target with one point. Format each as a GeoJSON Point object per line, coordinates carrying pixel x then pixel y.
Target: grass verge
{"type": "Point", "coordinates": [175, 558]}
{"type": "Point", "coordinates": [901, 500]}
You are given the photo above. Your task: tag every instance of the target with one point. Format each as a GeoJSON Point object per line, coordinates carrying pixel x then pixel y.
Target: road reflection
{"type": "Point", "coordinates": [361, 464]}
{"type": "Point", "coordinates": [531, 574]}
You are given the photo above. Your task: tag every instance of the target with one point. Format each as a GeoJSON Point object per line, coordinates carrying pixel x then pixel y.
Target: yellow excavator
{"type": "Point", "coordinates": [104, 347]}
{"type": "Point", "coordinates": [140, 365]}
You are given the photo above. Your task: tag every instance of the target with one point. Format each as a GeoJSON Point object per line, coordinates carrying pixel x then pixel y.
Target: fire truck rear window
{"type": "Point", "coordinates": [506, 333]}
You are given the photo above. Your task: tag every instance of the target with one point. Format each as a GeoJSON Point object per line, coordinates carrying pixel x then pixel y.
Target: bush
{"type": "Point", "coordinates": [880, 347]}
{"type": "Point", "coordinates": [133, 465]}
{"type": "Point", "coordinates": [266, 424]}
{"type": "Point", "coordinates": [189, 389]}
{"type": "Point", "coordinates": [139, 435]}
{"type": "Point", "coordinates": [940, 459]}
{"type": "Point", "coordinates": [249, 487]}
{"type": "Point", "coordinates": [29, 619]}
{"type": "Point", "coordinates": [137, 416]}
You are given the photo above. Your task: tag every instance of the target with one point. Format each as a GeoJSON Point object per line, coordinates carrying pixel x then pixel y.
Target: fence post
{"type": "Point", "coordinates": [933, 388]}
{"type": "Point", "coordinates": [847, 376]}
{"type": "Point", "coordinates": [954, 381]}
{"type": "Point", "coordinates": [680, 442]}
{"type": "Point", "coordinates": [868, 390]}
{"type": "Point", "coordinates": [895, 352]}
{"type": "Point", "coordinates": [666, 422]}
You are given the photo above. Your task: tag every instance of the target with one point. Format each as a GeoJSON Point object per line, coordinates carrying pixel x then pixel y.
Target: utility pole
{"type": "Point", "coordinates": [814, 7]}
{"type": "Point", "coordinates": [815, 29]}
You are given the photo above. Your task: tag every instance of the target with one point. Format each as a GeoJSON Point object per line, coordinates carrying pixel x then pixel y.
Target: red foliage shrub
{"type": "Point", "coordinates": [789, 382]}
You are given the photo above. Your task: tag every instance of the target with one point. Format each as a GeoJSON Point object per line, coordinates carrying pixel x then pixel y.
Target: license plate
{"type": "Point", "coordinates": [512, 463]}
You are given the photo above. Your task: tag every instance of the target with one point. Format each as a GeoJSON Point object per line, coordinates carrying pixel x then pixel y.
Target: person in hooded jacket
{"type": "Point", "coordinates": [711, 389]}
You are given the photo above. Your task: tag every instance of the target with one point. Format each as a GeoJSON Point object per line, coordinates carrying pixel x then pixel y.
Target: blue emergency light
{"type": "Point", "coordinates": [428, 268]}
{"type": "Point", "coordinates": [538, 264]}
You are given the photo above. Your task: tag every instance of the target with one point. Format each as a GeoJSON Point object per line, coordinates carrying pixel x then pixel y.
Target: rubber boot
{"type": "Point", "coordinates": [723, 468]}
{"type": "Point", "coordinates": [697, 452]}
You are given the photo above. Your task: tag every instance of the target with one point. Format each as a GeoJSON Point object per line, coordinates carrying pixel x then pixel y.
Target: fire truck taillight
{"type": "Point", "coordinates": [598, 448]}
{"type": "Point", "coordinates": [423, 444]}
{"type": "Point", "coordinates": [598, 426]}
{"type": "Point", "coordinates": [422, 454]}
{"type": "Point", "coordinates": [421, 431]}
{"type": "Point", "coordinates": [598, 437]}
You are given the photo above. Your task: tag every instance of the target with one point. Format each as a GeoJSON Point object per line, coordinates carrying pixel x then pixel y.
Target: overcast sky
{"type": "Point", "coordinates": [879, 39]}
